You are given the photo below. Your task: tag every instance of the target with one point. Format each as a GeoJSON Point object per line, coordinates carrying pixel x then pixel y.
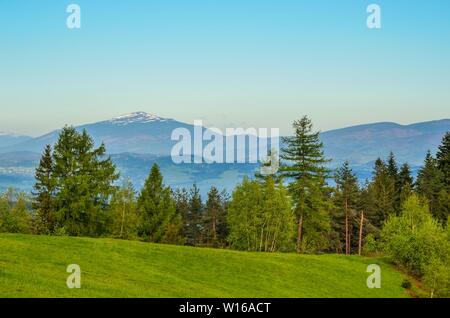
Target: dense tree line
{"type": "Point", "coordinates": [76, 193]}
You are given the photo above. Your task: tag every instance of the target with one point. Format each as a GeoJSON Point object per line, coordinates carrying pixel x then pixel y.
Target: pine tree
{"type": "Point", "coordinates": [405, 182]}
{"type": "Point", "coordinates": [44, 191]}
{"type": "Point", "coordinates": [392, 170]}
{"type": "Point", "coordinates": [346, 202]}
{"type": "Point", "coordinates": [214, 218]}
{"type": "Point", "coordinates": [429, 185]}
{"type": "Point", "coordinates": [222, 224]}
{"type": "Point", "coordinates": [181, 197]}
{"type": "Point", "coordinates": [84, 183]}
{"type": "Point", "coordinates": [443, 160]}
{"type": "Point", "coordinates": [304, 167]}
{"type": "Point", "coordinates": [160, 221]}
{"type": "Point", "coordinates": [443, 163]}
{"type": "Point", "coordinates": [382, 192]}
{"type": "Point", "coordinates": [196, 210]}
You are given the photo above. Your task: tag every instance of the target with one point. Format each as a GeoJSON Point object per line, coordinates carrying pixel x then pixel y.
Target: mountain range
{"type": "Point", "coordinates": [137, 140]}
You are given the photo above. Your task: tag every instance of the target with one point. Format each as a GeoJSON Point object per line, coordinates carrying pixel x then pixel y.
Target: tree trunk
{"type": "Point", "coordinates": [360, 233]}
{"type": "Point", "coordinates": [299, 234]}
{"type": "Point", "coordinates": [347, 243]}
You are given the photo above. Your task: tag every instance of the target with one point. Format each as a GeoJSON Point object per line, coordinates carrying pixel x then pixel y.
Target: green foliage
{"type": "Point", "coordinates": [431, 187]}
{"type": "Point", "coordinates": [196, 208]}
{"type": "Point", "coordinates": [370, 246]}
{"type": "Point", "coordinates": [443, 160]}
{"type": "Point", "coordinates": [123, 213]}
{"type": "Point", "coordinates": [304, 168]}
{"type": "Point", "coordinates": [44, 192]}
{"type": "Point", "coordinates": [260, 217]}
{"type": "Point", "coordinates": [437, 278]}
{"type": "Point", "coordinates": [346, 210]}
{"type": "Point", "coordinates": [190, 207]}
{"type": "Point", "coordinates": [14, 214]}
{"type": "Point", "coordinates": [214, 218]}
{"type": "Point", "coordinates": [405, 183]}
{"type": "Point", "coordinates": [156, 207]}
{"type": "Point", "coordinates": [84, 183]}
{"type": "Point", "coordinates": [382, 194]}
{"type": "Point", "coordinates": [418, 242]}
{"type": "Point", "coordinates": [406, 284]}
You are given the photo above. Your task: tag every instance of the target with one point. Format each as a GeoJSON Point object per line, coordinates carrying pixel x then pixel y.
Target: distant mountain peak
{"type": "Point", "coordinates": [136, 118]}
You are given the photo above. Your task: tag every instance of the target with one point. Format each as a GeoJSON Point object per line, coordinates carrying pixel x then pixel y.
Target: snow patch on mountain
{"type": "Point", "coordinates": [136, 118]}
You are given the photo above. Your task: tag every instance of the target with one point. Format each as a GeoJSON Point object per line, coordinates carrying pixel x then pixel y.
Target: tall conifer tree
{"type": "Point", "coordinates": [346, 202]}
{"type": "Point", "coordinates": [160, 220]}
{"type": "Point", "coordinates": [44, 191]}
{"type": "Point", "coordinates": [304, 168]}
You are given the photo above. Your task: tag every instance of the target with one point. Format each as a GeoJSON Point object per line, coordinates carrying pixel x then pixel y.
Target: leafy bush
{"type": "Point", "coordinates": [406, 284]}
{"type": "Point", "coordinates": [437, 278]}
{"type": "Point", "coordinates": [260, 217]}
{"type": "Point", "coordinates": [419, 243]}
{"type": "Point", "coordinates": [370, 245]}
{"type": "Point", "coordinates": [14, 214]}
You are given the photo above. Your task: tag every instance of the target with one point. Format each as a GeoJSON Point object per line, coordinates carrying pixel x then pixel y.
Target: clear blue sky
{"type": "Point", "coordinates": [229, 62]}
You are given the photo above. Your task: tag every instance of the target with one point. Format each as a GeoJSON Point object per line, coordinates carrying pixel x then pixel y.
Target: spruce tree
{"type": "Point", "coordinates": [429, 185]}
{"type": "Point", "coordinates": [181, 197]}
{"type": "Point", "coordinates": [196, 209]}
{"type": "Point", "coordinates": [346, 203]}
{"type": "Point", "coordinates": [214, 218]}
{"type": "Point", "coordinates": [160, 221]}
{"type": "Point", "coordinates": [405, 182]}
{"type": "Point", "coordinates": [44, 191]}
{"type": "Point", "coordinates": [222, 226]}
{"type": "Point", "coordinates": [304, 168]}
{"type": "Point", "coordinates": [382, 192]}
{"type": "Point", "coordinates": [84, 183]}
{"type": "Point", "coordinates": [392, 167]}
{"type": "Point", "coordinates": [443, 160]}
{"type": "Point", "coordinates": [392, 170]}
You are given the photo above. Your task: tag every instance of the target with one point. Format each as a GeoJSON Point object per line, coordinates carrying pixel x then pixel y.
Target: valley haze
{"type": "Point", "coordinates": [137, 140]}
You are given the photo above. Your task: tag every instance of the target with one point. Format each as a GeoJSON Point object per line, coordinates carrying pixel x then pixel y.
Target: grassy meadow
{"type": "Point", "coordinates": [35, 266]}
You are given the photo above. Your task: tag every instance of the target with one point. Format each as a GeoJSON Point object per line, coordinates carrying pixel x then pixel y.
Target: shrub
{"type": "Point", "coordinates": [370, 245]}
{"type": "Point", "coordinates": [406, 284]}
{"type": "Point", "coordinates": [419, 243]}
{"type": "Point", "coordinates": [260, 217]}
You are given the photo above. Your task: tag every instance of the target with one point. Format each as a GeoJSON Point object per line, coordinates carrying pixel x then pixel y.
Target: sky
{"type": "Point", "coordinates": [230, 63]}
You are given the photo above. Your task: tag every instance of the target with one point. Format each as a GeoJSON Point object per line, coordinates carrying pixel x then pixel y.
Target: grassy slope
{"type": "Point", "coordinates": [35, 266]}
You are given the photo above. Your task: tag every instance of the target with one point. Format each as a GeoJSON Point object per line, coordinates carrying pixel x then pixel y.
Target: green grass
{"type": "Point", "coordinates": [35, 266]}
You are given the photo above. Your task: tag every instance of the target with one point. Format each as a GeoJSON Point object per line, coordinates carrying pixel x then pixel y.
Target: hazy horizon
{"type": "Point", "coordinates": [210, 126]}
{"type": "Point", "coordinates": [255, 63]}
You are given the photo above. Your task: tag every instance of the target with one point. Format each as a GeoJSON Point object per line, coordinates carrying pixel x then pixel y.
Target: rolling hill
{"type": "Point", "coordinates": [363, 143]}
{"type": "Point", "coordinates": [35, 266]}
{"type": "Point", "coordinates": [139, 139]}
